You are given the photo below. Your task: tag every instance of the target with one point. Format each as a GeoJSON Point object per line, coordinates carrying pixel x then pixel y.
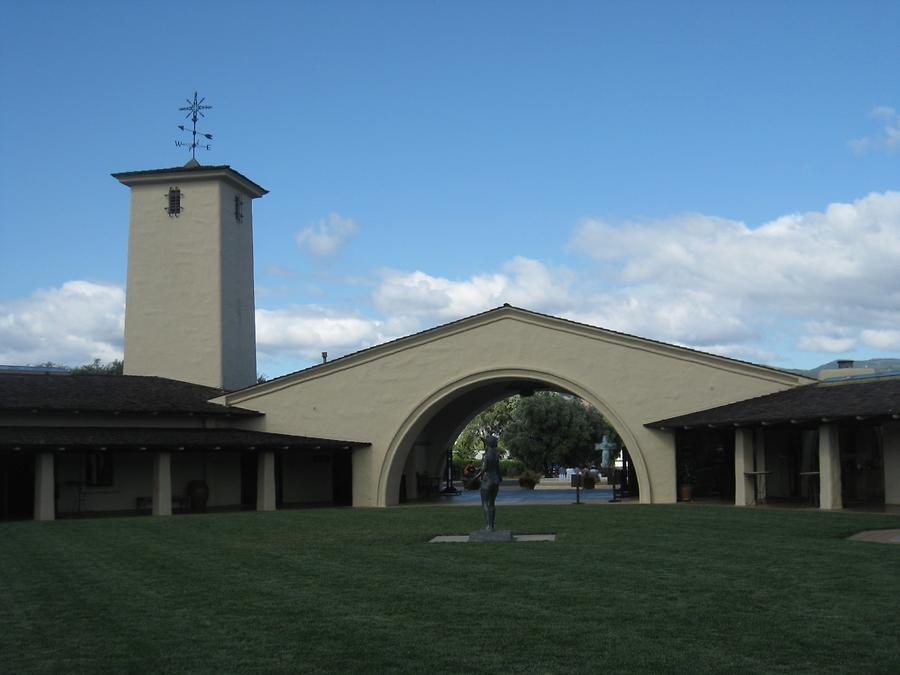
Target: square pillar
{"type": "Point", "coordinates": [162, 484]}
{"type": "Point", "coordinates": [265, 481]}
{"type": "Point", "coordinates": [743, 461]}
{"type": "Point", "coordinates": [829, 468]}
{"type": "Point", "coordinates": [759, 453]}
{"type": "Point", "coordinates": [891, 452]}
{"type": "Point", "coordinates": [44, 487]}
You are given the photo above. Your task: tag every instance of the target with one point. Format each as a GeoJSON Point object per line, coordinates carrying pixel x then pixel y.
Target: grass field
{"type": "Point", "coordinates": [624, 589]}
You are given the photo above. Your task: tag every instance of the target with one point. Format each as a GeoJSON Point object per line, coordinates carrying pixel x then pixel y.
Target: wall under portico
{"type": "Point", "coordinates": [891, 446]}
{"type": "Point", "coordinates": [386, 395]}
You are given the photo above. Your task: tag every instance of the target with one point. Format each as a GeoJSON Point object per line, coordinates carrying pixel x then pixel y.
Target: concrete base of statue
{"type": "Point", "coordinates": [482, 535]}
{"type": "Point", "coordinates": [488, 535]}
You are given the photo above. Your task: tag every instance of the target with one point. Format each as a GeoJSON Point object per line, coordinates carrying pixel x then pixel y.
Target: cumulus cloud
{"type": "Point", "coordinates": [308, 330]}
{"type": "Point", "coordinates": [825, 281]}
{"type": "Point", "coordinates": [700, 279]}
{"type": "Point", "coordinates": [521, 281]}
{"type": "Point", "coordinates": [73, 324]}
{"type": "Point", "coordinates": [328, 236]}
{"type": "Point", "coordinates": [886, 339]}
{"type": "Point", "coordinates": [889, 135]}
{"type": "Point", "coordinates": [690, 317]}
{"type": "Point", "coordinates": [822, 281]}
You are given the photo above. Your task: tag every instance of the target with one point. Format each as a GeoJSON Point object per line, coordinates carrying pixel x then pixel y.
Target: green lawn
{"type": "Point", "coordinates": [624, 589]}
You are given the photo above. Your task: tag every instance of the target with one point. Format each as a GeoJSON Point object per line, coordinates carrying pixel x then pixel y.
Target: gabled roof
{"type": "Point", "coordinates": [109, 394]}
{"type": "Point", "coordinates": [508, 311]}
{"type": "Point", "coordinates": [865, 398]}
{"type": "Point", "coordinates": [157, 438]}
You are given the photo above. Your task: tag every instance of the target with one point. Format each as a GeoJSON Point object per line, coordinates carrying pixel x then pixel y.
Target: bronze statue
{"type": "Point", "coordinates": [490, 481]}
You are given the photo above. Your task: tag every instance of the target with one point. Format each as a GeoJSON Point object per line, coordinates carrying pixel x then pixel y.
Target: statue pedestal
{"type": "Point", "coordinates": [496, 535]}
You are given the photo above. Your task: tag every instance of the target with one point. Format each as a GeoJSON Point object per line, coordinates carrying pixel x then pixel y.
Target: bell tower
{"type": "Point", "coordinates": [190, 310]}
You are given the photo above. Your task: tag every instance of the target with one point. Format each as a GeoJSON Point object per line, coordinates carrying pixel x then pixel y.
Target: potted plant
{"type": "Point", "coordinates": [528, 479]}
{"type": "Point", "coordinates": [198, 493]}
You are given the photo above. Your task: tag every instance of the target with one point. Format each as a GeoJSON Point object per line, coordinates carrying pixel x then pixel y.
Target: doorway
{"type": "Point", "coordinates": [16, 485]}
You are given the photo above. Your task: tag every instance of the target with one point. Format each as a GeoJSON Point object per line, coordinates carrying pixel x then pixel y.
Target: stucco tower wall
{"type": "Point", "coordinates": [238, 307]}
{"type": "Point", "coordinates": [388, 395]}
{"type": "Point", "coordinates": [189, 298]}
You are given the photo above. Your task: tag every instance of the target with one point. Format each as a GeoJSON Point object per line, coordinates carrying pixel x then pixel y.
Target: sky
{"type": "Point", "coordinates": [724, 176]}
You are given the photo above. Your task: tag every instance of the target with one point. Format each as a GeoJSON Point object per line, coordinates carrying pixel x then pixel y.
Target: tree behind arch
{"type": "Point", "coordinates": [548, 428]}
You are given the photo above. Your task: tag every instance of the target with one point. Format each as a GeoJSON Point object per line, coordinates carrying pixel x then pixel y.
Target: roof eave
{"type": "Point", "coordinates": [153, 176]}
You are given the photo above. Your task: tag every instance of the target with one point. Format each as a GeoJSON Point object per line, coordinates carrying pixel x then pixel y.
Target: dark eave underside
{"type": "Point", "coordinates": [857, 400]}
{"type": "Point", "coordinates": [129, 439]}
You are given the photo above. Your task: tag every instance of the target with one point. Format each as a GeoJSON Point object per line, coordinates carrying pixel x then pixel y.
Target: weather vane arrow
{"type": "Point", "coordinates": [194, 110]}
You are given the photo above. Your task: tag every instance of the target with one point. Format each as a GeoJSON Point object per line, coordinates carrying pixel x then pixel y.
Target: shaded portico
{"type": "Point", "coordinates": [73, 444]}
{"type": "Point", "coordinates": [147, 459]}
{"type": "Point", "coordinates": [831, 443]}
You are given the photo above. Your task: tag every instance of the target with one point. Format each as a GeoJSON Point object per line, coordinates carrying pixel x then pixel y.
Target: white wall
{"type": "Point", "coordinates": [132, 478]}
{"type": "Point", "coordinates": [220, 470]}
{"type": "Point", "coordinates": [189, 298]}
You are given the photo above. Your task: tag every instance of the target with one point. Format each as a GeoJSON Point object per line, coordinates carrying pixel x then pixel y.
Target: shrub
{"type": "Point", "coordinates": [511, 467]}
{"type": "Point", "coordinates": [528, 479]}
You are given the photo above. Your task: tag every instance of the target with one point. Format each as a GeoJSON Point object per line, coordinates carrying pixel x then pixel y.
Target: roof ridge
{"type": "Point", "coordinates": [507, 306]}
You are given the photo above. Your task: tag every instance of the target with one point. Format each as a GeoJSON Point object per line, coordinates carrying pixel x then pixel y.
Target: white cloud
{"type": "Point", "coordinates": [703, 280]}
{"type": "Point", "coordinates": [306, 331]}
{"type": "Point", "coordinates": [888, 138]}
{"type": "Point", "coordinates": [692, 317]}
{"type": "Point", "coordinates": [73, 324]}
{"type": "Point", "coordinates": [328, 237]}
{"type": "Point", "coordinates": [823, 281]}
{"type": "Point", "coordinates": [826, 343]}
{"type": "Point", "coordinates": [886, 339]}
{"type": "Point", "coordinates": [521, 281]}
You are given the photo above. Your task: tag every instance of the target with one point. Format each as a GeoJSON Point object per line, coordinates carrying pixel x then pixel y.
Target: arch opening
{"type": "Point", "coordinates": [422, 440]}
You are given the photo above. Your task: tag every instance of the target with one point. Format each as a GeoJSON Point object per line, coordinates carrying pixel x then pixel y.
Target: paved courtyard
{"type": "Point", "coordinates": [549, 492]}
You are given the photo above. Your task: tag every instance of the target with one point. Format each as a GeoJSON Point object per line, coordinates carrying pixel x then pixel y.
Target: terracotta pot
{"type": "Point", "coordinates": [687, 492]}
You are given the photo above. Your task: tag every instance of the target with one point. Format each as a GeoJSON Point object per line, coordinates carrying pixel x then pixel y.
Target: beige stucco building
{"type": "Point", "coordinates": [410, 398]}
{"type": "Point", "coordinates": [188, 415]}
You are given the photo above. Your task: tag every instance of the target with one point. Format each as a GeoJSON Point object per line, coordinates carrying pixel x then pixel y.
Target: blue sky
{"type": "Point", "coordinates": [719, 175]}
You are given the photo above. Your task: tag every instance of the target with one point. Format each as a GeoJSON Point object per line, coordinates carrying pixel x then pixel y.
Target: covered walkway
{"type": "Point", "coordinates": [831, 444]}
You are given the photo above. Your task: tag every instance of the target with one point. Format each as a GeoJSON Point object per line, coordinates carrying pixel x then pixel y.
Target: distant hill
{"type": "Point", "coordinates": [878, 365]}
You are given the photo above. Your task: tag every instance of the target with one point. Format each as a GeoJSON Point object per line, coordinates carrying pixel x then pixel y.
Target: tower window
{"type": "Point", "coordinates": [174, 197]}
{"type": "Point", "coordinates": [238, 208]}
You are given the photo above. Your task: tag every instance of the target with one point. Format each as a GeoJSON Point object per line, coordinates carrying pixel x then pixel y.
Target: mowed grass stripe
{"type": "Point", "coordinates": [624, 588]}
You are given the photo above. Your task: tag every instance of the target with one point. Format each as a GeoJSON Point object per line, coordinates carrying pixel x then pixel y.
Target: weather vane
{"type": "Point", "coordinates": [194, 110]}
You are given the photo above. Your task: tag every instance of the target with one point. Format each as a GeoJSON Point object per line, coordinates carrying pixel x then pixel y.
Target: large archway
{"type": "Point", "coordinates": [424, 388]}
{"type": "Point", "coordinates": [439, 418]}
